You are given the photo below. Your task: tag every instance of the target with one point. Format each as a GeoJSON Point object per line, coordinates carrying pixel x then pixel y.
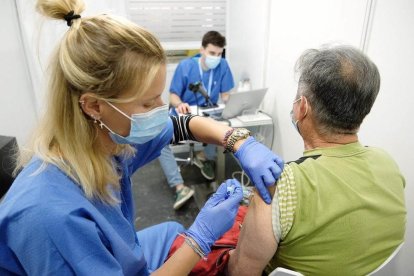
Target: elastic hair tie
{"type": "Point", "coordinates": [70, 16]}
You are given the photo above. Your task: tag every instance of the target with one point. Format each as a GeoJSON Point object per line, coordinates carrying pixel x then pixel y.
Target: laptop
{"type": "Point", "coordinates": [239, 102]}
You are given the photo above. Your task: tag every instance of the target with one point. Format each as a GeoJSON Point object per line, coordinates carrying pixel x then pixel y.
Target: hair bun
{"type": "Point", "coordinates": [67, 10]}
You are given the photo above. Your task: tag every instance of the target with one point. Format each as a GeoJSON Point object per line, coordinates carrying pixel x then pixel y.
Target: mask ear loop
{"type": "Point", "coordinates": [295, 101]}
{"type": "Point", "coordinates": [95, 120]}
{"type": "Point", "coordinates": [119, 110]}
{"type": "Point", "coordinates": [101, 124]}
{"type": "Point", "coordinates": [306, 111]}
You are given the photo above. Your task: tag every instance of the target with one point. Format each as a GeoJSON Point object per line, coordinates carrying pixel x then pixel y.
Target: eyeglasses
{"type": "Point", "coordinates": [297, 100]}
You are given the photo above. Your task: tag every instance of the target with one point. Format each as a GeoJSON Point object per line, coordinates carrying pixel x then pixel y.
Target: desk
{"type": "Point", "coordinates": [197, 110]}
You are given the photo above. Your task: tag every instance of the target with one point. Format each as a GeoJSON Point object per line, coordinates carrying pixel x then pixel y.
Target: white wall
{"type": "Point", "coordinates": [17, 110]}
{"type": "Point", "coordinates": [247, 40]}
{"type": "Point", "coordinates": [294, 26]}
{"type": "Point", "coordinates": [390, 125]}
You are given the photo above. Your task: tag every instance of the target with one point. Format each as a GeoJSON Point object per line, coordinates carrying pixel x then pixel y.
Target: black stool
{"type": "Point", "coordinates": [8, 149]}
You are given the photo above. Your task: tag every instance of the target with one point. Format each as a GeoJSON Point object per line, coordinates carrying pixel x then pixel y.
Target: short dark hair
{"type": "Point", "coordinates": [215, 38]}
{"type": "Point", "coordinates": [341, 84]}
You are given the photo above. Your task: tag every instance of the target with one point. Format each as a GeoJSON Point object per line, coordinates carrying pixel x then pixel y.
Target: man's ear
{"type": "Point", "coordinates": [304, 108]}
{"type": "Point", "coordinates": [91, 105]}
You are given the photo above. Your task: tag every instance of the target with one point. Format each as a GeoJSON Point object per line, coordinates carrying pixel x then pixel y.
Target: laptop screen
{"type": "Point", "coordinates": [240, 102]}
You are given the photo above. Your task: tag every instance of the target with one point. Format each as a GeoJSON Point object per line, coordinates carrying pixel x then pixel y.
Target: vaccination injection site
{"type": "Point", "coordinates": [206, 137]}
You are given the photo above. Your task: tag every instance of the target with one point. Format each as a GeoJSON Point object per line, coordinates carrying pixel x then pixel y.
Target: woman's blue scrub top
{"type": "Point", "coordinates": [188, 71]}
{"type": "Point", "coordinates": [49, 227]}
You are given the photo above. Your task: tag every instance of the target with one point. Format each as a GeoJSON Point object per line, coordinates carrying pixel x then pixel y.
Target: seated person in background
{"type": "Point", "coordinates": [339, 209]}
{"type": "Point", "coordinates": [213, 72]}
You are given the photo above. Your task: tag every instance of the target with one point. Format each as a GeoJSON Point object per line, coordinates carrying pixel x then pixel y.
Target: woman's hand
{"type": "Point", "coordinates": [261, 165]}
{"type": "Point", "coordinates": [217, 215]}
{"type": "Point", "coordinates": [183, 108]}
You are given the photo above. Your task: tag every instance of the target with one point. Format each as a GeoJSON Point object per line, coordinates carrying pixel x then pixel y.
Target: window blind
{"type": "Point", "coordinates": [179, 20]}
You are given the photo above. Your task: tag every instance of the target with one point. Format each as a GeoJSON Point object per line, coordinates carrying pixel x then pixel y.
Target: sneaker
{"type": "Point", "coordinates": [182, 196]}
{"type": "Point", "coordinates": [198, 163]}
{"type": "Point", "coordinates": [201, 156]}
{"type": "Point", "coordinates": [208, 170]}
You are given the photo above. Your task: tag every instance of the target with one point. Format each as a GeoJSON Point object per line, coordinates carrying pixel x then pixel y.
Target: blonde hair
{"type": "Point", "coordinates": [104, 55]}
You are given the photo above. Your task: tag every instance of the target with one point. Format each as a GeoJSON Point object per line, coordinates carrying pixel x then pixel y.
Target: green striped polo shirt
{"type": "Point", "coordinates": [338, 211]}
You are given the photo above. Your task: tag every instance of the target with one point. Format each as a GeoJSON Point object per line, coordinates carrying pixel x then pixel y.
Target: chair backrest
{"type": "Point", "coordinates": [388, 266]}
{"type": "Point", "coordinates": [280, 271]}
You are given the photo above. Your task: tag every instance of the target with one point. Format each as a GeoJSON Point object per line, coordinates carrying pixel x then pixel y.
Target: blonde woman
{"type": "Point", "coordinates": [70, 209]}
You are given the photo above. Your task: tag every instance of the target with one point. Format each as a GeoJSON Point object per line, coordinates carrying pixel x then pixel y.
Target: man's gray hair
{"type": "Point", "coordinates": [341, 84]}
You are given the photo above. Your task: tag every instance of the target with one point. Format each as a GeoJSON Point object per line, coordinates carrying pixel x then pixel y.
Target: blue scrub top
{"type": "Point", "coordinates": [188, 71]}
{"type": "Point", "coordinates": [49, 227]}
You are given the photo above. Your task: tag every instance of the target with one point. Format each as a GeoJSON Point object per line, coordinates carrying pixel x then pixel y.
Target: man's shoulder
{"type": "Point", "coordinates": [188, 62]}
{"type": "Point", "coordinates": [224, 63]}
{"type": "Point", "coordinates": [304, 158]}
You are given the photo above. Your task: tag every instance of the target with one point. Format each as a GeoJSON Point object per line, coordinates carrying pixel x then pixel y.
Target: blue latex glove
{"type": "Point", "coordinates": [217, 215]}
{"type": "Point", "coordinates": [261, 165]}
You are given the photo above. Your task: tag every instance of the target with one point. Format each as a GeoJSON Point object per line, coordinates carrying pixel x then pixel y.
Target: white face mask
{"type": "Point", "coordinates": [212, 61]}
{"type": "Point", "coordinates": [144, 126]}
{"type": "Point", "coordinates": [294, 121]}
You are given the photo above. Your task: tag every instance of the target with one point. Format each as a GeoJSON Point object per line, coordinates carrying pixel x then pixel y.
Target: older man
{"type": "Point", "coordinates": [339, 209]}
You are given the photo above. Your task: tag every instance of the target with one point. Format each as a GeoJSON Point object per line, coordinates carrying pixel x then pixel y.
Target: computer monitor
{"type": "Point", "coordinates": [246, 101]}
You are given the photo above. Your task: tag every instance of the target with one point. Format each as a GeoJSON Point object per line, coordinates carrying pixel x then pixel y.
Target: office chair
{"type": "Point", "coordinates": [191, 159]}
{"type": "Point", "coordinates": [388, 266]}
{"type": "Point", "coordinates": [8, 148]}
{"type": "Point", "coordinates": [280, 271]}
{"type": "Point", "coordinates": [385, 269]}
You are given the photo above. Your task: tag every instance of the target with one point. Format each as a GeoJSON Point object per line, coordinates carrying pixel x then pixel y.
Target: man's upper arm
{"type": "Point", "coordinates": [257, 243]}
{"type": "Point", "coordinates": [264, 226]}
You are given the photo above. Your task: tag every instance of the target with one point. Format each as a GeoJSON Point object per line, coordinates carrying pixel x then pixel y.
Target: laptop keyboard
{"type": "Point", "coordinates": [213, 113]}
{"type": "Point", "coordinates": [253, 117]}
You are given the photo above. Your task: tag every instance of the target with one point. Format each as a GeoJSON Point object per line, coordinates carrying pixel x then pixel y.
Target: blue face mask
{"type": "Point", "coordinates": [294, 122]}
{"type": "Point", "coordinates": [212, 61]}
{"type": "Point", "coordinates": [144, 126]}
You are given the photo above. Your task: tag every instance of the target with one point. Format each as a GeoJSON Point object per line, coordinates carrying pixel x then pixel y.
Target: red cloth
{"type": "Point", "coordinates": [218, 258]}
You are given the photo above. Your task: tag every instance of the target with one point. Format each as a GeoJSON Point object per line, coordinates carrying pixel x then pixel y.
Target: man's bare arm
{"type": "Point", "coordinates": [257, 243]}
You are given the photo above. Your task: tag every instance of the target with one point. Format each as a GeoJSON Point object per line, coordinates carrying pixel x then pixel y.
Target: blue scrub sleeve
{"type": "Point", "coordinates": [227, 81]}
{"type": "Point", "coordinates": [178, 82]}
{"type": "Point", "coordinates": [150, 150]}
{"type": "Point", "coordinates": [156, 242]}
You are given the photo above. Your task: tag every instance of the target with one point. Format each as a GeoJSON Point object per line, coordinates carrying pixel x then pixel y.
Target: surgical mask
{"type": "Point", "coordinates": [212, 61]}
{"type": "Point", "coordinates": [144, 126]}
{"type": "Point", "coordinates": [295, 122]}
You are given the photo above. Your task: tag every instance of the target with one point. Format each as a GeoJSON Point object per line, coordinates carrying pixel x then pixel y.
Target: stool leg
{"type": "Point", "coordinates": [191, 157]}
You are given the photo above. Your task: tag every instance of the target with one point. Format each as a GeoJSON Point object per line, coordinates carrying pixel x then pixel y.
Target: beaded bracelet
{"type": "Point", "coordinates": [226, 137]}
{"type": "Point", "coordinates": [194, 246]}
